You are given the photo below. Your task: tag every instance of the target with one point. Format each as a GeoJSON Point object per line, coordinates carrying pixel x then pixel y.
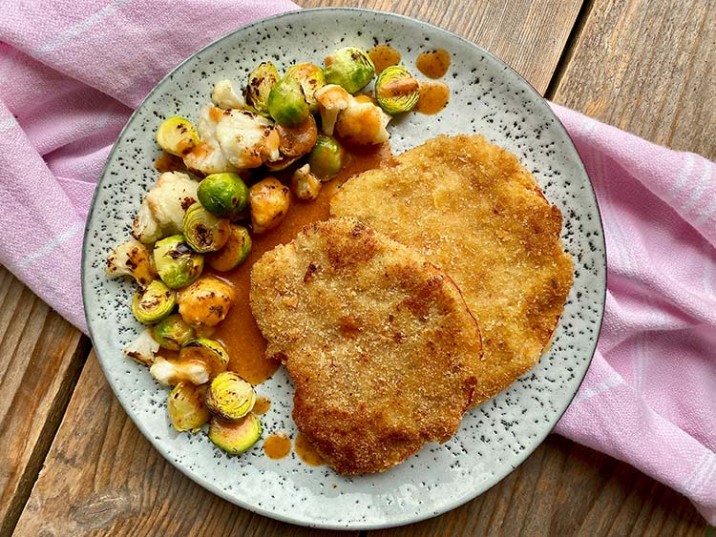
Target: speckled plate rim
{"type": "Point", "coordinates": [406, 518]}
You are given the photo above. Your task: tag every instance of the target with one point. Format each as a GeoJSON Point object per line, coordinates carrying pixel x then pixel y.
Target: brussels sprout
{"type": "Point", "coordinates": [153, 303]}
{"type": "Point", "coordinates": [396, 90]}
{"type": "Point", "coordinates": [350, 68]}
{"type": "Point", "coordinates": [203, 231]}
{"type": "Point", "coordinates": [223, 194]}
{"type": "Point", "coordinates": [173, 333]}
{"type": "Point", "coordinates": [234, 252]}
{"type": "Point", "coordinates": [311, 78]}
{"type": "Point", "coordinates": [269, 200]}
{"type": "Point", "coordinates": [177, 136]}
{"type": "Point", "coordinates": [209, 351]}
{"type": "Point", "coordinates": [230, 397]}
{"type": "Point", "coordinates": [177, 264]}
{"type": "Point", "coordinates": [206, 302]}
{"type": "Point", "coordinates": [299, 140]}
{"type": "Point", "coordinates": [326, 158]}
{"type": "Point", "coordinates": [235, 437]}
{"type": "Point", "coordinates": [304, 184]}
{"type": "Point", "coordinates": [186, 407]}
{"type": "Point", "coordinates": [257, 90]}
{"type": "Point", "coordinates": [287, 104]}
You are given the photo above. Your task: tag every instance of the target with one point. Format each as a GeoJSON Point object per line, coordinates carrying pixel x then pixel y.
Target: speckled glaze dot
{"type": "Point", "coordinates": [488, 98]}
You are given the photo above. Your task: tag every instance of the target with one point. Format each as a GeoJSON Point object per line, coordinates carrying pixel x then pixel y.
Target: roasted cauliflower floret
{"type": "Point", "coordinates": [206, 157]}
{"type": "Point", "coordinates": [163, 208]}
{"type": "Point", "coordinates": [354, 119]}
{"type": "Point", "coordinates": [143, 349]}
{"type": "Point", "coordinates": [332, 100]}
{"type": "Point", "coordinates": [172, 372]}
{"type": "Point", "coordinates": [225, 97]}
{"type": "Point", "coordinates": [304, 184]}
{"type": "Point", "coordinates": [269, 200]}
{"type": "Point", "coordinates": [206, 302]}
{"type": "Point", "coordinates": [363, 123]}
{"type": "Point", "coordinates": [131, 258]}
{"type": "Point", "coordinates": [247, 139]}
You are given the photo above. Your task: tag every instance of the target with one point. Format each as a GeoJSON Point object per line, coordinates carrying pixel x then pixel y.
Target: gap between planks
{"type": "Point", "coordinates": [46, 438]}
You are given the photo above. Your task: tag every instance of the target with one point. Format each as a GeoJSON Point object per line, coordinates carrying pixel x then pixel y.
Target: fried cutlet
{"type": "Point", "coordinates": [474, 211]}
{"type": "Point", "coordinates": [377, 340]}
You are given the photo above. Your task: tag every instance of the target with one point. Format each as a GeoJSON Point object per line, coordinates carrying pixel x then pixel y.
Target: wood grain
{"type": "Point", "coordinates": [40, 359]}
{"type": "Point", "coordinates": [567, 489]}
{"type": "Point", "coordinates": [649, 68]}
{"type": "Point", "coordinates": [102, 477]}
{"type": "Point", "coordinates": [527, 35]}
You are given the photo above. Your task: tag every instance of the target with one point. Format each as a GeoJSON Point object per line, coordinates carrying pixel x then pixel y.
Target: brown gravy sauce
{"type": "Point", "coordinates": [433, 63]}
{"type": "Point", "coordinates": [277, 446]}
{"type": "Point", "coordinates": [306, 452]}
{"type": "Point", "coordinates": [239, 332]}
{"type": "Point", "coordinates": [383, 56]}
{"type": "Point", "coordinates": [434, 96]}
{"type": "Point", "coordinates": [261, 405]}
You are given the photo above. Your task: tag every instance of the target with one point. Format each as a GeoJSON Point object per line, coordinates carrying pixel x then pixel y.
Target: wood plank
{"type": "Point", "coordinates": [647, 67]}
{"type": "Point", "coordinates": [528, 36]}
{"type": "Point", "coordinates": [102, 477]}
{"type": "Point", "coordinates": [566, 489]}
{"type": "Point", "coordinates": [40, 360]}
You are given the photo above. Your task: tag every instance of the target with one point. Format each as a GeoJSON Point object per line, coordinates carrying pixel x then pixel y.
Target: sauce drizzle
{"type": "Point", "coordinates": [433, 63]}
{"type": "Point", "coordinates": [306, 452]}
{"type": "Point", "coordinates": [239, 332]}
{"type": "Point", "coordinates": [434, 96]}
{"type": "Point", "coordinates": [277, 446]}
{"type": "Point", "coordinates": [383, 56]}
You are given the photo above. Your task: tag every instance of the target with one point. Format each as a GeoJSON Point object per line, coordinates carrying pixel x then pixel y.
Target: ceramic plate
{"type": "Point", "coordinates": [486, 97]}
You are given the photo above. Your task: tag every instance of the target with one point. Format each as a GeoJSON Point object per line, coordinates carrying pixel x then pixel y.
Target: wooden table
{"type": "Point", "coordinates": [72, 463]}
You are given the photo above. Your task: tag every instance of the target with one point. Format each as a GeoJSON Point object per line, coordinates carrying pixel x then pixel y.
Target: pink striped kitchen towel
{"type": "Point", "coordinates": [71, 74]}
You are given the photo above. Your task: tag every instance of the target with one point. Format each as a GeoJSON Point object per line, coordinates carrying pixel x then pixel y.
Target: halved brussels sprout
{"type": "Point", "coordinates": [234, 252]}
{"type": "Point", "coordinates": [172, 332]}
{"type": "Point", "coordinates": [230, 397]}
{"type": "Point", "coordinates": [209, 351]}
{"type": "Point", "coordinates": [186, 407]}
{"type": "Point", "coordinates": [177, 136]}
{"type": "Point", "coordinates": [153, 303]}
{"type": "Point", "coordinates": [176, 263]}
{"type": "Point", "coordinates": [396, 90]}
{"type": "Point", "coordinates": [311, 78]}
{"type": "Point", "coordinates": [223, 194]}
{"type": "Point", "coordinates": [269, 200]}
{"type": "Point", "coordinates": [235, 437]}
{"type": "Point", "coordinates": [350, 68]}
{"type": "Point", "coordinates": [261, 80]}
{"type": "Point", "coordinates": [326, 158]}
{"type": "Point", "coordinates": [203, 231]}
{"type": "Point", "coordinates": [287, 104]}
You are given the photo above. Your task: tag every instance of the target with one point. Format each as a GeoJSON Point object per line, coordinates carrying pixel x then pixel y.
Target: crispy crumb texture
{"type": "Point", "coordinates": [474, 211]}
{"type": "Point", "coordinates": [379, 343]}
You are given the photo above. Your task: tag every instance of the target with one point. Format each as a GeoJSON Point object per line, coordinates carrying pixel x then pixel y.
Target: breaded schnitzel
{"type": "Point", "coordinates": [378, 341]}
{"type": "Point", "coordinates": [474, 211]}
